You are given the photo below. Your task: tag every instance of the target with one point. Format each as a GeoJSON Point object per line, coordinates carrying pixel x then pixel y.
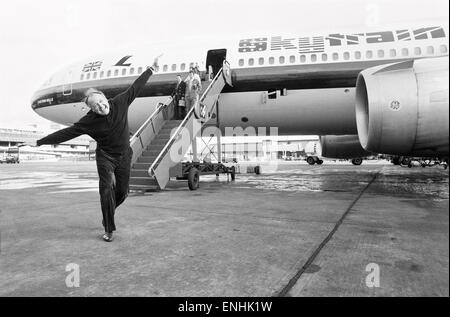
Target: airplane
{"type": "Point", "coordinates": [370, 92]}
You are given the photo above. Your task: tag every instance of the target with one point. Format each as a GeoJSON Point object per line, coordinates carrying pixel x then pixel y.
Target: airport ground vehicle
{"type": "Point", "coordinates": [11, 157]}
{"type": "Point", "coordinates": [191, 171]}
{"type": "Point", "coordinates": [311, 160]}
{"type": "Point", "coordinates": [418, 162]}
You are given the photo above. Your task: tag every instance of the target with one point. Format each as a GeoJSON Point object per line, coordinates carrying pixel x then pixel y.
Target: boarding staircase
{"type": "Point", "coordinates": [160, 143]}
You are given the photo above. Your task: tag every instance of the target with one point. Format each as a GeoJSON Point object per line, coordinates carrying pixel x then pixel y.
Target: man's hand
{"type": "Point", "coordinates": [29, 143]}
{"type": "Point", "coordinates": [155, 65]}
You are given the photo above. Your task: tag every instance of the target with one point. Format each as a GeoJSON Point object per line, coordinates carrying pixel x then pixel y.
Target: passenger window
{"type": "Point", "coordinates": [132, 71]}
{"type": "Point", "coordinates": [357, 55]}
{"type": "Point", "coordinates": [191, 65]}
{"type": "Point", "coordinates": [443, 49]}
{"type": "Point", "coordinates": [94, 76]}
{"type": "Point", "coordinates": [165, 68]}
{"type": "Point", "coordinates": [380, 54]}
{"type": "Point", "coordinates": [82, 77]}
{"type": "Point", "coordinates": [108, 73]}
{"type": "Point", "coordinates": [346, 56]}
{"type": "Point", "coordinates": [369, 54]}
{"type": "Point", "coordinates": [335, 56]}
{"type": "Point", "coordinates": [88, 76]}
{"type": "Point", "coordinates": [116, 72]}
{"type": "Point", "coordinates": [251, 61]}
{"type": "Point", "coordinates": [241, 62]}
{"type": "Point", "coordinates": [183, 66]}
{"type": "Point", "coordinates": [392, 53]}
{"type": "Point", "coordinates": [261, 61]}
{"type": "Point", "coordinates": [174, 67]}
{"type": "Point", "coordinates": [281, 59]}
{"type": "Point", "coordinates": [314, 58]}
{"type": "Point", "coordinates": [324, 57]}
{"type": "Point", "coordinates": [271, 60]}
{"type": "Point", "coordinates": [430, 50]}
{"type": "Point", "coordinates": [405, 52]}
{"type": "Point", "coordinates": [292, 59]}
{"type": "Point", "coordinates": [140, 70]}
{"type": "Point", "coordinates": [417, 51]}
{"type": "Point", "coordinates": [124, 72]}
{"type": "Point", "coordinates": [303, 58]}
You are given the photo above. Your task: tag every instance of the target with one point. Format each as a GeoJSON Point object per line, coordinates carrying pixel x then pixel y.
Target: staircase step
{"type": "Point", "coordinates": [168, 129]}
{"type": "Point", "coordinates": [159, 142]}
{"type": "Point", "coordinates": [143, 188]}
{"type": "Point", "coordinates": [141, 166]}
{"type": "Point", "coordinates": [151, 153]}
{"type": "Point", "coordinates": [146, 181]}
{"type": "Point", "coordinates": [139, 173]}
{"type": "Point", "coordinates": [165, 136]}
{"type": "Point", "coordinates": [147, 159]}
{"type": "Point", "coordinates": [155, 147]}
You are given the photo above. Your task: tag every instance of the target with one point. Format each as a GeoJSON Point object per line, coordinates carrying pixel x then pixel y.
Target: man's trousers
{"type": "Point", "coordinates": [114, 174]}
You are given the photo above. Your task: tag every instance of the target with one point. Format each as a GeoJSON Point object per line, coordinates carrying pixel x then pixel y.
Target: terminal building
{"type": "Point", "coordinates": [231, 148]}
{"type": "Point", "coordinates": [249, 148]}
{"type": "Point", "coordinates": [12, 137]}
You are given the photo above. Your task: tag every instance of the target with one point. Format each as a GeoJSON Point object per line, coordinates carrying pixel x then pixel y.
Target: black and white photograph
{"type": "Point", "coordinates": [224, 154]}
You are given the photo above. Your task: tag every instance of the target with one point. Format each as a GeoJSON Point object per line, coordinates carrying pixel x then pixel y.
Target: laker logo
{"type": "Point", "coordinates": [317, 44]}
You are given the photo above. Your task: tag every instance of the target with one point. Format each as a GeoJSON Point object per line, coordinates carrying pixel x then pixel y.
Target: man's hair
{"type": "Point", "coordinates": [89, 92]}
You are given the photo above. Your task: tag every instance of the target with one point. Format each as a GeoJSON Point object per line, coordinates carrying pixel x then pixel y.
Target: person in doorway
{"type": "Point", "coordinates": [107, 124]}
{"type": "Point", "coordinates": [193, 87]}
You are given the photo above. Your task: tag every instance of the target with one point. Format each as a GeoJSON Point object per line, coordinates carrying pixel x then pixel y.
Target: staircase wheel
{"type": "Point", "coordinates": [194, 179]}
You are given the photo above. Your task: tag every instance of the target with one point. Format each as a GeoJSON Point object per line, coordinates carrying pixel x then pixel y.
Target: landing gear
{"type": "Point", "coordinates": [357, 161]}
{"type": "Point", "coordinates": [396, 160]}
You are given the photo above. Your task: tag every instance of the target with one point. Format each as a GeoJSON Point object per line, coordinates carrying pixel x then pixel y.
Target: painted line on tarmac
{"type": "Point", "coordinates": [286, 289]}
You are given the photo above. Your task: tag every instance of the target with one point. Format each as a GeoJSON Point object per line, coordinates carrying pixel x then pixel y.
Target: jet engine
{"type": "Point", "coordinates": [342, 147]}
{"type": "Point", "coordinates": [403, 108]}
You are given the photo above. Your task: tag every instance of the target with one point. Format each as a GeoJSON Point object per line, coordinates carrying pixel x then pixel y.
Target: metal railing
{"type": "Point", "coordinates": [151, 170]}
{"type": "Point", "coordinates": [150, 119]}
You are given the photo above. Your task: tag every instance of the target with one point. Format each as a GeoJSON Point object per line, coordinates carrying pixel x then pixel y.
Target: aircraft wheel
{"type": "Point", "coordinates": [194, 179]}
{"type": "Point", "coordinates": [396, 161]}
{"type": "Point", "coordinates": [257, 170]}
{"type": "Point", "coordinates": [406, 161]}
{"type": "Point", "coordinates": [357, 161]}
{"type": "Point", "coordinates": [319, 162]}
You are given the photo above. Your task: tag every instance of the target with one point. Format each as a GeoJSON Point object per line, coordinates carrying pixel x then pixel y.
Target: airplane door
{"type": "Point", "coordinates": [214, 60]}
{"type": "Point", "coordinates": [67, 84]}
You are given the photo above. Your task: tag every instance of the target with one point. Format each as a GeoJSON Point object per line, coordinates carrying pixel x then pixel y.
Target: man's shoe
{"type": "Point", "coordinates": [108, 237]}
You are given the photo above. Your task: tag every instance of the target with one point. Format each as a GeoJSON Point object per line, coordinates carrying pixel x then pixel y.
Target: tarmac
{"type": "Point", "coordinates": [298, 230]}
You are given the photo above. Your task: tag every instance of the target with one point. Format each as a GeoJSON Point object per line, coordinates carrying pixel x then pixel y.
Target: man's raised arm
{"type": "Point", "coordinates": [127, 97]}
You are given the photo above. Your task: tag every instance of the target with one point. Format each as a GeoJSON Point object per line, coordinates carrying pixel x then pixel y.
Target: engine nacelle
{"type": "Point", "coordinates": [342, 147]}
{"type": "Point", "coordinates": [403, 108]}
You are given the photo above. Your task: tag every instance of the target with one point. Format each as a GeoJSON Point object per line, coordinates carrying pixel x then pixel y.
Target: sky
{"type": "Point", "coordinates": [39, 37]}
